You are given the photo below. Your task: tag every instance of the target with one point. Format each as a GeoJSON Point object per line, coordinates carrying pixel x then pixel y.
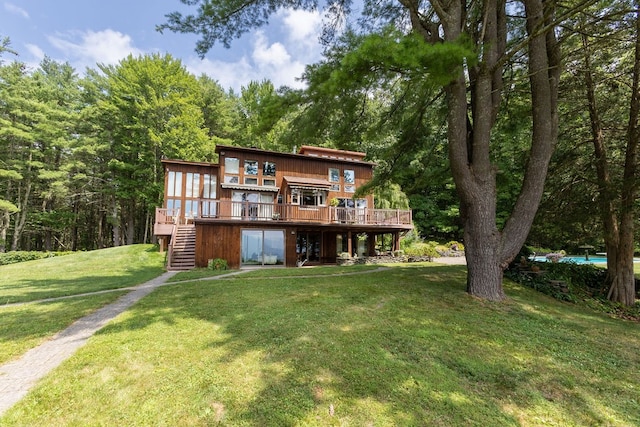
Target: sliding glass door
{"type": "Point", "coordinates": [262, 247]}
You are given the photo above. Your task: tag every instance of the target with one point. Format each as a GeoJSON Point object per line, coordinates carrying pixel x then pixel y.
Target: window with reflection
{"type": "Point", "coordinates": [269, 169]}
{"type": "Point", "coordinates": [262, 247]}
{"type": "Point", "coordinates": [250, 167]}
{"type": "Point", "coordinates": [231, 165]}
{"type": "Point", "coordinates": [174, 184]}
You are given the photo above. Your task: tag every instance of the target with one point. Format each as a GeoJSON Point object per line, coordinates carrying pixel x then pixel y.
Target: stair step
{"type": "Point", "coordinates": [183, 257]}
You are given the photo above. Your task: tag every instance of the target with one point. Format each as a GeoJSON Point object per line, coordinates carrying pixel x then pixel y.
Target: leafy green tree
{"type": "Point", "coordinates": [219, 111]}
{"type": "Point", "coordinates": [597, 160]}
{"type": "Point", "coordinates": [33, 141]}
{"type": "Point", "coordinates": [151, 108]}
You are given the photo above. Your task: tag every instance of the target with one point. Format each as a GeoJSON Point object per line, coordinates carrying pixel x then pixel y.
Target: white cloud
{"type": "Point", "coordinates": [17, 10]}
{"type": "Point", "coordinates": [87, 48]}
{"type": "Point", "coordinates": [266, 56]}
{"type": "Point", "coordinates": [35, 51]}
{"type": "Point", "coordinates": [302, 25]}
{"type": "Point", "coordinates": [272, 61]}
{"type": "Point", "coordinates": [228, 74]}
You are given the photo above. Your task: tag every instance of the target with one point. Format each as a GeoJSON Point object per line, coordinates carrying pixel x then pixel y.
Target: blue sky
{"type": "Point", "coordinates": [86, 32]}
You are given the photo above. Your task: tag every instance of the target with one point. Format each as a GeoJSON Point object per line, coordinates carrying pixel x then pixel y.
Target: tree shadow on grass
{"type": "Point", "coordinates": [38, 289]}
{"type": "Point", "coordinates": [404, 347]}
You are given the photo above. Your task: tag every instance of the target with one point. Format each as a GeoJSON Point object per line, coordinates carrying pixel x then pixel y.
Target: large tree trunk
{"type": "Point", "coordinates": [618, 226]}
{"type": "Point", "coordinates": [621, 276]}
{"type": "Point", "coordinates": [488, 249]}
{"type": "Point", "coordinates": [21, 217]}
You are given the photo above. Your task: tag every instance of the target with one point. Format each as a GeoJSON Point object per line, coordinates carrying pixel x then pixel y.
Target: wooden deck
{"type": "Point", "coordinates": [284, 213]}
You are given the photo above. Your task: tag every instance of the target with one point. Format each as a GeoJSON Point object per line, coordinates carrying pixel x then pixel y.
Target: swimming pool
{"type": "Point", "coordinates": [579, 259]}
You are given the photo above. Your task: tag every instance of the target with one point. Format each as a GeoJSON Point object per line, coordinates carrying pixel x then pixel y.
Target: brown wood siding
{"type": "Point", "coordinates": [299, 166]}
{"type": "Point", "coordinates": [290, 248]}
{"type": "Point", "coordinates": [218, 241]}
{"type": "Point", "coordinates": [223, 241]}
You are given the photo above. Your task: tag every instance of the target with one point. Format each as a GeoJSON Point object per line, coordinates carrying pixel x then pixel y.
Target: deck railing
{"type": "Point", "coordinates": [254, 211]}
{"type": "Point", "coordinates": [175, 215]}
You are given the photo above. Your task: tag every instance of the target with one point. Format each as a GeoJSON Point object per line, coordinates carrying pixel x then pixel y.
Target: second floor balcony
{"type": "Point", "coordinates": [254, 211]}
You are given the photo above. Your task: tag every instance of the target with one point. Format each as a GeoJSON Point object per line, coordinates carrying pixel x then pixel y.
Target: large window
{"type": "Point", "coordinates": [309, 197]}
{"type": "Point", "coordinates": [262, 247]}
{"type": "Point", "coordinates": [256, 206]}
{"type": "Point", "coordinates": [174, 184]}
{"type": "Point", "coordinates": [192, 184]}
{"type": "Point", "coordinates": [209, 186]}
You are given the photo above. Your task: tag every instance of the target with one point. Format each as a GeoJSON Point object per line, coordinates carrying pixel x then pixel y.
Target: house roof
{"type": "Point", "coordinates": [303, 182]}
{"type": "Point", "coordinates": [307, 152]}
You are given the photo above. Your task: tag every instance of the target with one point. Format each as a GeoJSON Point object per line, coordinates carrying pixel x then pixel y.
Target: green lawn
{"type": "Point", "coordinates": [79, 272]}
{"type": "Point", "coordinates": [26, 326]}
{"type": "Point", "coordinates": [404, 346]}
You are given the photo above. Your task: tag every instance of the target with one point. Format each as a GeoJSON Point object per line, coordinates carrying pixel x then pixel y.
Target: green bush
{"type": "Point", "coordinates": [582, 280]}
{"type": "Point", "coordinates": [217, 264]}
{"type": "Point", "coordinates": [22, 256]}
{"type": "Point", "coordinates": [422, 249]}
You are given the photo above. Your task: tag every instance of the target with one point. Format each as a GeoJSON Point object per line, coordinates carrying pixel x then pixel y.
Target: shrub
{"type": "Point", "coordinates": [422, 249]}
{"type": "Point", "coordinates": [581, 279]}
{"type": "Point", "coordinates": [22, 256]}
{"type": "Point", "coordinates": [217, 264]}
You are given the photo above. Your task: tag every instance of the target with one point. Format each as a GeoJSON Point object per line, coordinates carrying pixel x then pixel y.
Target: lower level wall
{"type": "Point", "coordinates": [223, 241]}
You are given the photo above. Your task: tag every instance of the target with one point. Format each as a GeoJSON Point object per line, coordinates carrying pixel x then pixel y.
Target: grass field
{"type": "Point", "coordinates": [79, 272]}
{"type": "Point", "coordinates": [26, 326]}
{"type": "Point", "coordinates": [403, 346]}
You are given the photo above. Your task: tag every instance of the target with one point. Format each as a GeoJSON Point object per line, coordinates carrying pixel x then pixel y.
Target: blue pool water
{"type": "Point", "coordinates": [578, 259]}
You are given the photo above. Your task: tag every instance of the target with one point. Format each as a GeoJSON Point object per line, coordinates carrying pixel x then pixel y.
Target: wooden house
{"type": "Point", "coordinates": [265, 208]}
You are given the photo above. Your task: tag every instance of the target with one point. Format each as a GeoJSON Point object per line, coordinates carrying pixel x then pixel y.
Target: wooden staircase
{"type": "Point", "coordinates": [183, 253]}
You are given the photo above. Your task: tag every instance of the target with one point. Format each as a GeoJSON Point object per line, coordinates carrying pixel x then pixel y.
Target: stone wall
{"type": "Point", "coordinates": [382, 260]}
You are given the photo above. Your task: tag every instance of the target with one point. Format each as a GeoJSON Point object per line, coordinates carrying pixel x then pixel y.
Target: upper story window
{"type": "Point", "coordinates": [231, 165]}
{"type": "Point", "coordinates": [174, 184]}
{"type": "Point", "coordinates": [269, 169]}
{"type": "Point", "coordinates": [349, 177]}
{"type": "Point", "coordinates": [308, 197]}
{"type": "Point", "coordinates": [209, 186]}
{"type": "Point", "coordinates": [193, 184]}
{"type": "Point", "coordinates": [334, 175]}
{"type": "Point", "coordinates": [250, 167]}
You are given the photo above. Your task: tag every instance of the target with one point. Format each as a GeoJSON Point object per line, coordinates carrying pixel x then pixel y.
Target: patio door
{"type": "Point", "coordinates": [262, 247]}
{"type": "Point", "coordinates": [308, 245]}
